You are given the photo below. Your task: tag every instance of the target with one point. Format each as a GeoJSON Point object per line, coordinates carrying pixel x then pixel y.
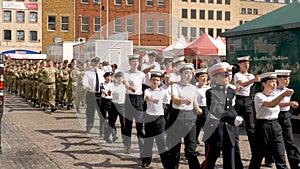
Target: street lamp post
{"type": "Point", "coordinates": [100, 31]}
{"type": "Point", "coordinates": [179, 28]}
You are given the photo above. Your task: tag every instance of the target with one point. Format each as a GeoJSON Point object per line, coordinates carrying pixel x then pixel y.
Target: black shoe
{"type": "Point", "coordinates": [198, 153]}
{"type": "Point", "coordinates": [115, 138]}
{"type": "Point", "coordinates": [69, 107]}
{"type": "Point", "coordinates": [127, 150]}
{"type": "Point", "coordinates": [53, 109]}
{"type": "Point", "coordinates": [62, 106]}
{"type": "Point", "coordinates": [88, 129]}
{"type": "Point", "coordinates": [269, 165]}
{"type": "Point", "coordinates": [45, 108]}
{"type": "Point", "coordinates": [108, 140]}
{"type": "Point", "coordinates": [146, 165]}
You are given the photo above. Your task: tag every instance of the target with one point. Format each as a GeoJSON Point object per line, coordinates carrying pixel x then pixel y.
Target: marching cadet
{"type": "Point", "coordinates": [41, 86]}
{"type": "Point", "coordinates": [105, 88]}
{"type": "Point", "coordinates": [175, 76]}
{"type": "Point", "coordinates": [64, 78]}
{"type": "Point", "coordinates": [268, 132]}
{"type": "Point", "coordinates": [133, 79]}
{"type": "Point", "coordinates": [49, 77]}
{"type": "Point", "coordinates": [59, 66]}
{"type": "Point", "coordinates": [117, 108]}
{"type": "Point", "coordinates": [91, 81]}
{"type": "Point", "coordinates": [154, 121]}
{"type": "Point", "coordinates": [243, 105]}
{"type": "Point", "coordinates": [201, 76]}
{"type": "Point", "coordinates": [73, 77]}
{"type": "Point", "coordinates": [184, 110]}
{"type": "Point", "coordinates": [35, 83]}
{"type": "Point", "coordinates": [284, 118]}
{"type": "Point", "coordinates": [219, 129]}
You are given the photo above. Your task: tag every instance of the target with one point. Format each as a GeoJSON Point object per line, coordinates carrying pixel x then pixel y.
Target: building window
{"type": "Point", "coordinates": [219, 15]}
{"type": "Point", "coordinates": [118, 25]}
{"type": "Point", "coordinates": [7, 34]}
{"type": "Point", "coordinates": [33, 0]}
{"type": "Point", "coordinates": [211, 32]}
{"type": "Point", "coordinates": [219, 1]}
{"type": "Point", "coordinates": [184, 13]}
{"type": "Point", "coordinates": [210, 15]}
{"type": "Point", "coordinates": [227, 2]}
{"type": "Point", "coordinates": [243, 11]}
{"type": "Point", "coordinates": [202, 1]}
{"type": "Point", "coordinates": [7, 16]}
{"type": "Point", "coordinates": [219, 31]}
{"type": "Point", "coordinates": [184, 31]}
{"type": "Point", "coordinates": [149, 26]}
{"type": "Point", "coordinates": [161, 27]}
{"type": "Point", "coordinates": [20, 16]}
{"type": "Point", "coordinates": [130, 25]}
{"type": "Point", "coordinates": [249, 10]}
{"type": "Point", "coordinates": [85, 1]}
{"type": "Point", "coordinates": [241, 22]}
{"type": "Point", "coordinates": [65, 23]}
{"type": "Point", "coordinates": [227, 16]}
{"type": "Point", "coordinates": [130, 2]}
{"type": "Point", "coordinates": [118, 2]}
{"type": "Point", "coordinates": [202, 14]}
{"type": "Point", "coordinates": [85, 24]}
{"type": "Point", "coordinates": [193, 14]}
{"type": "Point", "coordinates": [20, 35]}
{"type": "Point", "coordinates": [161, 3]}
{"type": "Point", "coordinates": [210, 1]}
{"type": "Point", "coordinates": [33, 16]}
{"type": "Point", "coordinates": [201, 31]}
{"type": "Point", "coordinates": [193, 0]}
{"type": "Point", "coordinates": [149, 2]}
{"type": "Point", "coordinates": [255, 11]}
{"type": "Point", "coordinates": [97, 24]}
{"type": "Point", "coordinates": [51, 23]}
{"type": "Point", "coordinates": [33, 36]}
{"type": "Point", "coordinates": [184, 0]}
{"type": "Point", "coordinates": [193, 34]}
{"type": "Point", "coordinates": [97, 1]}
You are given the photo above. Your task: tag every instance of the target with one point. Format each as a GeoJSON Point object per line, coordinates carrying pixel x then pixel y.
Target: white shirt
{"type": "Point", "coordinates": [188, 92]}
{"type": "Point", "coordinates": [155, 109]}
{"type": "Point", "coordinates": [284, 100]}
{"type": "Point", "coordinates": [89, 78]}
{"type": "Point", "coordinates": [167, 100]}
{"type": "Point", "coordinates": [201, 97]}
{"type": "Point", "coordinates": [262, 112]}
{"type": "Point", "coordinates": [174, 77]}
{"type": "Point", "coordinates": [147, 75]}
{"type": "Point", "coordinates": [134, 79]}
{"type": "Point", "coordinates": [234, 88]}
{"type": "Point", "coordinates": [107, 87]}
{"type": "Point", "coordinates": [118, 93]}
{"type": "Point", "coordinates": [244, 78]}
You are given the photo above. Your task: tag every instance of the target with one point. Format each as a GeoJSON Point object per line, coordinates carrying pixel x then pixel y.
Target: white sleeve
{"type": "Point", "coordinates": [259, 100]}
{"type": "Point", "coordinates": [85, 80]}
{"type": "Point", "coordinates": [147, 93]}
{"type": "Point", "coordinates": [174, 90]}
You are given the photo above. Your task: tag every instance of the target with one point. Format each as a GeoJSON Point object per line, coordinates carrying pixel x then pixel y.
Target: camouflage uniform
{"type": "Point", "coordinates": [49, 78]}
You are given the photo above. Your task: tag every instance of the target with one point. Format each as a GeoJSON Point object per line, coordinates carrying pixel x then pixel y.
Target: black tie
{"type": "Point", "coordinates": [97, 81]}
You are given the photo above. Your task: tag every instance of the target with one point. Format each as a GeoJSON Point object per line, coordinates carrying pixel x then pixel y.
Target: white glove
{"type": "Point", "coordinates": [238, 120]}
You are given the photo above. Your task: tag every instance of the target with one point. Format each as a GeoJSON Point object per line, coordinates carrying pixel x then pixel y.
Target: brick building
{"type": "Point", "coordinates": [58, 21]}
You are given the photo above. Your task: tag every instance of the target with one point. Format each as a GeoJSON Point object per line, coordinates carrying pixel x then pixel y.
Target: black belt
{"type": "Point", "coordinates": [266, 121]}
{"type": "Point", "coordinates": [49, 83]}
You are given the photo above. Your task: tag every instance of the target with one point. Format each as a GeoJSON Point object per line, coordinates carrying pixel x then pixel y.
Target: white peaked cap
{"type": "Point", "coordinates": [219, 68]}
{"type": "Point", "coordinates": [283, 73]}
{"type": "Point", "coordinates": [243, 58]}
{"type": "Point", "coordinates": [178, 59]}
{"type": "Point", "coordinates": [185, 66]}
{"type": "Point", "coordinates": [201, 71]}
{"type": "Point", "coordinates": [268, 76]}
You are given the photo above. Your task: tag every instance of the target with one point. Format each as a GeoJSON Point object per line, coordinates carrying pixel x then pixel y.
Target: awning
{"type": "Point", "coordinates": [18, 56]}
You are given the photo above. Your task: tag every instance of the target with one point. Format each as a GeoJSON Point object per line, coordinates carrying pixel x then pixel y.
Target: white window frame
{"type": "Point", "coordinates": [149, 3]}
{"type": "Point", "coordinates": [97, 24]}
{"type": "Point", "coordinates": [6, 16]}
{"type": "Point", "coordinates": [161, 3]}
{"type": "Point", "coordinates": [64, 24]}
{"type": "Point", "coordinates": [118, 2]}
{"type": "Point", "coordinates": [161, 27]}
{"type": "Point", "coordinates": [23, 18]}
{"type": "Point", "coordinates": [52, 23]}
{"type": "Point", "coordinates": [83, 24]}
{"type": "Point", "coordinates": [149, 26]}
{"type": "Point", "coordinates": [83, 1]}
{"type": "Point", "coordinates": [33, 17]}
{"type": "Point", "coordinates": [131, 2]}
{"type": "Point", "coordinates": [118, 24]}
{"type": "Point", "coordinates": [130, 26]}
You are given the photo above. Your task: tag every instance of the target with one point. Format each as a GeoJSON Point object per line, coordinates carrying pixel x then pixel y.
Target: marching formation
{"type": "Point", "coordinates": [169, 104]}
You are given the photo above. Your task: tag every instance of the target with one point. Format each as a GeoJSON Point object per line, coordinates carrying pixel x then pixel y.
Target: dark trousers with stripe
{"type": "Point", "coordinates": [268, 137]}
{"type": "Point", "coordinates": [93, 102]}
{"type": "Point", "coordinates": [104, 108]}
{"type": "Point", "coordinates": [116, 110]}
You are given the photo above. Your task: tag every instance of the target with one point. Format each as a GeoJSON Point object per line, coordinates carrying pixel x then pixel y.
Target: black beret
{"type": "Point", "coordinates": [95, 59]}
{"type": "Point", "coordinates": [107, 74]}
{"type": "Point", "coordinates": [118, 74]}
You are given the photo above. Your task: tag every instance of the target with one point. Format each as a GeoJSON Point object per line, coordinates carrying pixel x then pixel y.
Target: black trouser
{"type": "Point", "coordinates": [237, 151]}
{"type": "Point", "coordinates": [292, 151]}
{"type": "Point", "coordinates": [155, 129]}
{"type": "Point", "coordinates": [184, 126]}
{"type": "Point", "coordinates": [268, 137]}
{"type": "Point", "coordinates": [243, 106]}
{"type": "Point", "coordinates": [133, 110]}
{"type": "Point", "coordinates": [213, 150]}
{"type": "Point", "coordinates": [200, 120]}
{"type": "Point", "coordinates": [93, 102]}
{"type": "Point", "coordinates": [105, 107]}
{"type": "Point", "coordinates": [116, 110]}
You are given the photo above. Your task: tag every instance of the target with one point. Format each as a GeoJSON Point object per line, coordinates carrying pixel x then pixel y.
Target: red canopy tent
{"type": "Point", "coordinates": [203, 46]}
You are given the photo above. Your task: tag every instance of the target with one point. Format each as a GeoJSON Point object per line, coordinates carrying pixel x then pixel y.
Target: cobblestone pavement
{"type": "Point", "coordinates": [35, 139]}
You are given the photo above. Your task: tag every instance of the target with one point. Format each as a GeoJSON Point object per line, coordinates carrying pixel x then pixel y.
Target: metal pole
{"type": "Point", "coordinates": [179, 28]}
{"type": "Point", "coordinates": [100, 31]}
